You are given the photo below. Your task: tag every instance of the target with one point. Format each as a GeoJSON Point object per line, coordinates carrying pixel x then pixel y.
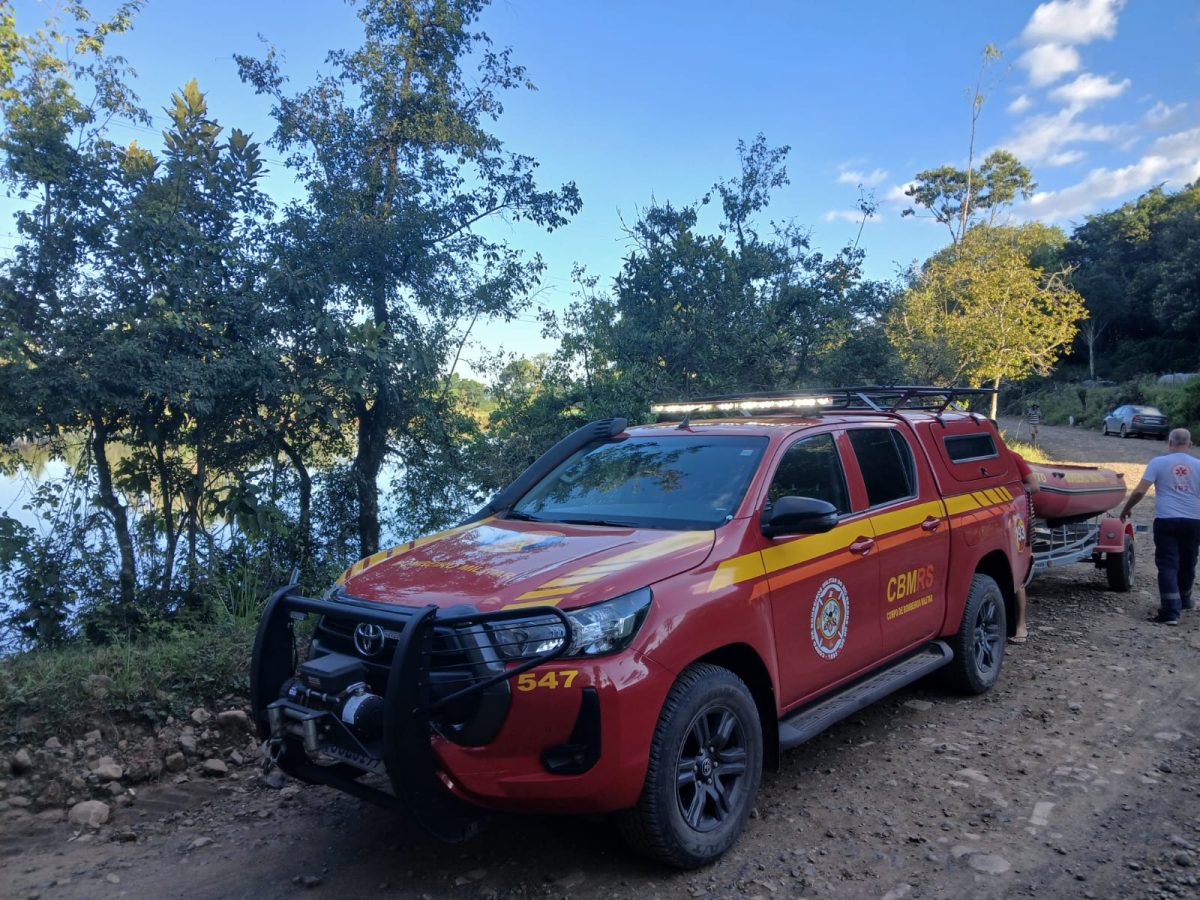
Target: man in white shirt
{"type": "Point", "coordinates": [1176, 480]}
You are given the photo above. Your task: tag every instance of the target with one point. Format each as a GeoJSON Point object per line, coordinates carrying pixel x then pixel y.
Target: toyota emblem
{"type": "Point", "coordinates": [368, 638]}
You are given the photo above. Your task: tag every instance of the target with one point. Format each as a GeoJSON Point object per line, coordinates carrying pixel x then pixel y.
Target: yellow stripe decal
{"type": "Point", "coordinates": [572, 581]}
{"type": "Point", "coordinates": [784, 556]}
{"type": "Point", "coordinates": [961, 503]}
{"type": "Point", "coordinates": [738, 569]}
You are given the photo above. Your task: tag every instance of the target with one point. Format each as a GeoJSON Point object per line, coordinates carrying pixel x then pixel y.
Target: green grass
{"type": "Point", "coordinates": [46, 693]}
{"type": "Point", "coordinates": [1028, 451]}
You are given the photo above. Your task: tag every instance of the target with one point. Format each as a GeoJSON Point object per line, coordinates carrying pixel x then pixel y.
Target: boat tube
{"type": "Point", "coordinates": [1075, 493]}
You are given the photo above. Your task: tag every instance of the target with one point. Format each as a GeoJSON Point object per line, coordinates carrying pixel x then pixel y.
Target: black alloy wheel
{"type": "Point", "coordinates": [979, 643]}
{"type": "Point", "coordinates": [712, 768]}
{"type": "Point", "coordinates": [703, 774]}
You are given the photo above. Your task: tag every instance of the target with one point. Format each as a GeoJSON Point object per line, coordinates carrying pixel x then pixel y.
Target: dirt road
{"type": "Point", "coordinates": [1076, 777]}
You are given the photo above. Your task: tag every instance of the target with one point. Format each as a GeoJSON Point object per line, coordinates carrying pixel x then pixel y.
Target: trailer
{"type": "Point", "coordinates": [1106, 541]}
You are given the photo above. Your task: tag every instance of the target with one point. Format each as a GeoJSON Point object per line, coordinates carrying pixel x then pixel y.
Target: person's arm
{"type": "Point", "coordinates": [1136, 497]}
{"type": "Point", "coordinates": [1028, 479]}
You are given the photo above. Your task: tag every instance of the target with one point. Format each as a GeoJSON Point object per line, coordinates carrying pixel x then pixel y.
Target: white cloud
{"type": "Point", "coordinates": [1172, 159]}
{"type": "Point", "coordinates": [1073, 21]}
{"type": "Point", "coordinates": [1039, 138]}
{"type": "Point", "coordinates": [846, 215]}
{"type": "Point", "coordinates": [1161, 114]}
{"type": "Point", "coordinates": [866, 179]}
{"type": "Point", "coordinates": [1065, 158]}
{"type": "Point", "coordinates": [1019, 105]}
{"type": "Point", "coordinates": [895, 194]}
{"type": "Point", "coordinates": [1088, 89]}
{"type": "Point", "coordinates": [1046, 63]}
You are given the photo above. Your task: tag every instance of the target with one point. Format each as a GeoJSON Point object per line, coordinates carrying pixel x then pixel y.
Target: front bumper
{"type": "Point", "coordinates": [460, 733]}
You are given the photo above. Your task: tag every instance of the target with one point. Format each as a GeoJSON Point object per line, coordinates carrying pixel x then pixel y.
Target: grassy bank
{"type": "Point", "coordinates": [1059, 402]}
{"type": "Point", "coordinates": [66, 692]}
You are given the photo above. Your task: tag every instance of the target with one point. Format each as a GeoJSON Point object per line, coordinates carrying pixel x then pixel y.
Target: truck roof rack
{"type": "Point", "coordinates": [861, 398]}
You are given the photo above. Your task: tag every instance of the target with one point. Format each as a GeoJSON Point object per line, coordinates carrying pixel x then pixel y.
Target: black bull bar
{"type": "Point", "coordinates": [405, 752]}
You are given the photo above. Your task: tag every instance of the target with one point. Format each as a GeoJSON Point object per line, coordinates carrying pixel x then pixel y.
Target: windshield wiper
{"type": "Point", "coordinates": [520, 516]}
{"type": "Point", "coordinates": [606, 523]}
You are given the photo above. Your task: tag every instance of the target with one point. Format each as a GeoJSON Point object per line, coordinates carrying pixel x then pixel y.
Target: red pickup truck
{"type": "Point", "coordinates": [649, 615]}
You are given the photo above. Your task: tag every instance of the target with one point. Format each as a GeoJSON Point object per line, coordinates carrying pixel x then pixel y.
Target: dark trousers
{"type": "Point", "coordinates": [1176, 543]}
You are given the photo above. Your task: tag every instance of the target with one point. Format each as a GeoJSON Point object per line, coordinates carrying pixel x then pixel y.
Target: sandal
{"type": "Point", "coordinates": [1018, 640]}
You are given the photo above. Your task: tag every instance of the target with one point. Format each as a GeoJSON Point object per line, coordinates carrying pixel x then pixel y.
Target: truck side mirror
{"type": "Point", "coordinates": [798, 515]}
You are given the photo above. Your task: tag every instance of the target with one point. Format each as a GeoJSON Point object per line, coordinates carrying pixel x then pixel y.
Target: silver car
{"type": "Point", "coordinates": [1134, 419]}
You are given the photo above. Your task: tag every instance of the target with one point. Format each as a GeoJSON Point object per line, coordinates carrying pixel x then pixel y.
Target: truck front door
{"type": "Point", "coordinates": [823, 586]}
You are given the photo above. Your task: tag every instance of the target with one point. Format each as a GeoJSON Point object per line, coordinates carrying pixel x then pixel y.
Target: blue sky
{"type": "Point", "coordinates": [642, 100]}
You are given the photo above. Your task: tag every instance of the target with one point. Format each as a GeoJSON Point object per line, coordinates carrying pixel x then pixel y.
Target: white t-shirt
{"type": "Point", "coordinates": [1176, 479]}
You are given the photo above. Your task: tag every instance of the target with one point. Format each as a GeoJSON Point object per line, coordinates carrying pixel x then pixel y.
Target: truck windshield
{"type": "Point", "coordinates": [685, 482]}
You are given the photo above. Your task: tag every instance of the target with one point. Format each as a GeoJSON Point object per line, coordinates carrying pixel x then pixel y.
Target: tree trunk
{"type": "Point", "coordinates": [194, 513]}
{"type": "Point", "coordinates": [372, 446]}
{"type": "Point", "coordinates": [302, 473]}
{"type": "Point", "coordinates": [127, 580]}
{"type": "Point", "coordinates": [995, 396]}
{"type": "Point", "coordinates": [171, 533]}
{"type": "Point", "coordinates": [374, 422]}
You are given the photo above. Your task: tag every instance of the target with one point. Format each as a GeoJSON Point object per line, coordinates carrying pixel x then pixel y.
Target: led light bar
{"type": "Point", "coordinates": [739, 405]}
{"type": "Point", "coordinates": [862, 398]}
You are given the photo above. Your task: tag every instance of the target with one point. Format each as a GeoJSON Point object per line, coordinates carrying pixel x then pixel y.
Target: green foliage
{"type": "Point", "coordinates": [399, 167]}
{"type": "Point", "coordinates": [1138, 267]}
{"type": "Point", "coordinates": [1180, 403]}
{"type": "Point", "coordinates": [984, 310]}
{"type": "Point", "coordinates": [51, 692]}
{"type": "Point", "coordinates": [961, 198]}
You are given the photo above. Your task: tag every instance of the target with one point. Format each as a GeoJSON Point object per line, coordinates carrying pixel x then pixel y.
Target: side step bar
{"type": "Point", "coordinates": [811, 720]}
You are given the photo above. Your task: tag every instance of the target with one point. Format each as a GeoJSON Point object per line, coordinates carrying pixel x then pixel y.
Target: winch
{"type": "Point", "coordinates": [337, 684]}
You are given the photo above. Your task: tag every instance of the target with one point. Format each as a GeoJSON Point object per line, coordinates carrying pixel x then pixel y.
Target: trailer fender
{"type": "Point", "coordinates": [1113, 532]}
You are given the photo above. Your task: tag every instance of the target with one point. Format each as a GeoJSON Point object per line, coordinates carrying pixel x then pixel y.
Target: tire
{"type": "Point", "coordinates": [1124, 431]}
{"type": "Point", "coordinates": [1104, 428]}
{"type": "Point", "coordinates": [979, 644]}
{"type": "Point", "coordinates": [1120, 567]}
{"type": "Point", "coordinates": [691, 810]}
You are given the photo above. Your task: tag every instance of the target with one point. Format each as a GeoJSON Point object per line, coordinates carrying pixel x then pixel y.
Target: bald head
{"type": "Point", "coordinates": [1179, 439]}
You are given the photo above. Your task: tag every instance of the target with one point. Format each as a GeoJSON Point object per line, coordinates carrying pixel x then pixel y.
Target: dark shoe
{"type": "Point", "coordinates": [1160, 619]}
{"type": "Point", "coordinates": [1189, 603]}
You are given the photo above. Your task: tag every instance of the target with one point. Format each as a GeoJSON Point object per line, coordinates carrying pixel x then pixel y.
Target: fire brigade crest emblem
{"type": "Point", "coordinates": [830, 618]}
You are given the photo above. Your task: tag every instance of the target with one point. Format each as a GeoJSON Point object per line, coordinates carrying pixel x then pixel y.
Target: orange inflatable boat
{"type": "Point", "coordinates": [1074, 493]}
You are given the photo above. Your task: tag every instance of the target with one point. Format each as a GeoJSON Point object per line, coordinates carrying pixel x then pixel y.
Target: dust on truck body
{"type": "Point", "coordinates": [647, 616]}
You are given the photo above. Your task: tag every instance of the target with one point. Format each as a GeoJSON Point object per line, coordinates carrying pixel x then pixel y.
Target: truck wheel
{"type": "Point", "coordinates": [705, 766]}
{"type": "Point", "coordinates": [1120, 567]}
{"type": "Point", "coordinates": [979, 644]}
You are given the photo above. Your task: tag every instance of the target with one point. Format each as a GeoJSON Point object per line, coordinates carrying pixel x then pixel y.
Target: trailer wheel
{"type": "Point", "coordinates": [705, 766]}
{"type": "Point", "coordinates": [1120, 567]}
{"type": "Point", "coordinates": [979, 644]}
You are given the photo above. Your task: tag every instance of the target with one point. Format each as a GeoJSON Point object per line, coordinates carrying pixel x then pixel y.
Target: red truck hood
{"type": "Point", "coordinates": [502, 564]}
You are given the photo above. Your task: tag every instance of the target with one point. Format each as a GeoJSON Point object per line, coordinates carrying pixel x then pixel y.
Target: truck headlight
{"type": "Point", "coordinates": [609, 626]}
{"type": "Point", "coordinates": [606, 627]}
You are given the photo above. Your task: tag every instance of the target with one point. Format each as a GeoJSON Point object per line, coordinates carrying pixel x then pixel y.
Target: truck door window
{"type": "Point", "coordinates": [886, 462]}
{"type": "Point", "coordinates": [811, 468]}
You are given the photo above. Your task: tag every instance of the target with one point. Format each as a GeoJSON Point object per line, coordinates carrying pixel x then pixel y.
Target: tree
{"type": "Point", "coordinates": [58, 159]}
{"type": "Point", "coordinates": [958, 198]}
{"type": "Point", "coordinates": [985, 311]}
{"type": "Point", "coordinates": [1136, 267]}
{"type": "Point", "coordinates": [749, 307]}
{"type": "Point", "coordinates": [400, 171]}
